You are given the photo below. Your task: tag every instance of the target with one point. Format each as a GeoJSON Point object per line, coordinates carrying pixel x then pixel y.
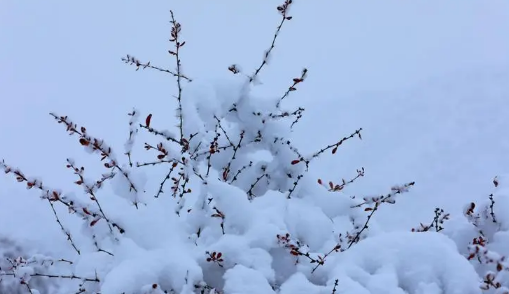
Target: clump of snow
{"type": "Point", "coordinates": [404, 262]}
{"type": "Point", "coordinates": [241, 279]}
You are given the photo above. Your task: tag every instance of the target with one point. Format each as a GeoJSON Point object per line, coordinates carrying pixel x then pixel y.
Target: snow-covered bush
{"type": "Point", "coordinates": [13, 255]}
{"type": "Point", "coordinates": [237, 211]}
{"type": "Point", "coordinates": [485, 233]}
{"type": "Point", "coordinates": [481, 236]}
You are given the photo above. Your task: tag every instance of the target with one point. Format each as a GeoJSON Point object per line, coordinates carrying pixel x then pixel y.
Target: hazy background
{"type": "Point", "coordinates": [427, 80]}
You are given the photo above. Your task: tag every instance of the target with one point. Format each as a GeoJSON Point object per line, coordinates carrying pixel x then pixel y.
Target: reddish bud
{"type": "Point", "coordinates": [147, 120]}
{"type": "Point", "coordinates": [295, 161]}
{"type": "Point", "coordinates": [84, 142]}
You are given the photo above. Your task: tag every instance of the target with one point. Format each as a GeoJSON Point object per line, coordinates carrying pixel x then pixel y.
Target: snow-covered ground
{"type": "Point", "coordinates": [428, 83]}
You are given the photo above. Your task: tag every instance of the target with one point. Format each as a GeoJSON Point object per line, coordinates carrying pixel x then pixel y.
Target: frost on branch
{"type": "Point", "coordinates": [236, 209]}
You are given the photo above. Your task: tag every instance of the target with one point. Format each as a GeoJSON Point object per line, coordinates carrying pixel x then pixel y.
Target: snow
{"type": "Point", "coordinates": [241, 279]}
{"type": "Point", "coordinates": [249, 217]}
{"type": "Point", "coordinates": [405, 262]}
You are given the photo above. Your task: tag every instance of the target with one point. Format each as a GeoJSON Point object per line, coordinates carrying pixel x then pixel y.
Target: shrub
{"type": "Point", "coordinates": [237, 210]}
{"type": "Point", "coordinates": [12, 254]}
